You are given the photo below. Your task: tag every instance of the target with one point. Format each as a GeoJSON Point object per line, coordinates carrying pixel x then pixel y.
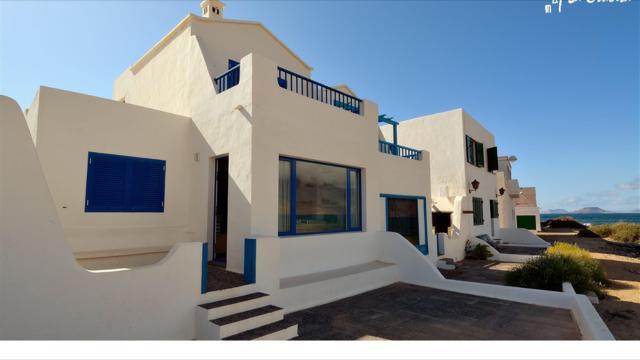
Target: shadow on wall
{"type": "Point", "coordinates": [46, 295]}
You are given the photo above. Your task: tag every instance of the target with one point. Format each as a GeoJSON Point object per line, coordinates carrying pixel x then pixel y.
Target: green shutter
{"type": "Point", "coordinates": [492, 158]}
{"type": "Point", "coordinates": [479, 155]}
{"type": "Point", "coordinates": [478, 217]}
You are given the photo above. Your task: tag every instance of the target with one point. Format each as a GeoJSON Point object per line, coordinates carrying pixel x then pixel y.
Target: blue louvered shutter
{"type": "Point", "coordinates": [147, 185]}
{"type": "Point", "coordinates": [106, 183]}
{"type": "Point", "coordinates": [117, 183]}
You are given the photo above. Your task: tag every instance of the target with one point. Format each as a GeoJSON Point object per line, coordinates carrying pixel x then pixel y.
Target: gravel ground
{"type": "Point", "coordinates": [621, 308]}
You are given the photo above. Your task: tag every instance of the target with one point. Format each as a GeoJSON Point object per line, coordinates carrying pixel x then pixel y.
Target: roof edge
{"type": "Point", "coordinates": [151, 53]}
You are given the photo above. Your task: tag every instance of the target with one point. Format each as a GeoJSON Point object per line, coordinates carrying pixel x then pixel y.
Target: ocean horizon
{"type": "Point", "coordinates": [596, 219]}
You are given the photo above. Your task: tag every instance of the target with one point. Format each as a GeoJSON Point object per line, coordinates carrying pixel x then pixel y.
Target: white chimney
{"type": "Point", "coordinates": [212, 9]}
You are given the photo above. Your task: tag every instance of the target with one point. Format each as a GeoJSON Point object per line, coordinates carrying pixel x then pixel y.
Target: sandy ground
{"type": "Point", "coordinates": [621, 308]}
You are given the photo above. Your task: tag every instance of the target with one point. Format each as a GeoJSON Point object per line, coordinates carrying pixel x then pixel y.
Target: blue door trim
{"type": "Point", "coordinates": [424, 249]}
{"type": "Point", "coordinates": [205, 270]}
{"type": "Point", "coordinates": [250, 261]}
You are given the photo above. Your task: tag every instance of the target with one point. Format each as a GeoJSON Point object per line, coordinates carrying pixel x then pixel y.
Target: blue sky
{"type": "Point", "coordinates": [560, 91]}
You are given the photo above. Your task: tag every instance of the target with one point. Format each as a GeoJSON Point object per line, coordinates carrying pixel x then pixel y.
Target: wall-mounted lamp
{"type": "Point", "coordinates": [501, 191]}
{"type": "Point", "coordinates": [474, 184]}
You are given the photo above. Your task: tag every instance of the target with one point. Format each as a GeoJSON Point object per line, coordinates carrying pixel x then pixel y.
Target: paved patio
{"type": "Point", "coordinates": [409, 312]}
{"type": "Point", "coordinates": [482, 271]}
{"type": "Point", "coordinates": [219, 279]}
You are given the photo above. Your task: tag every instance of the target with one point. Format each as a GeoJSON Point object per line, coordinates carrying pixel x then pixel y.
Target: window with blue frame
{"type": "Point", "coordinates": [117, 183]}
{"type": "Point", "coordinates": [318, 198]}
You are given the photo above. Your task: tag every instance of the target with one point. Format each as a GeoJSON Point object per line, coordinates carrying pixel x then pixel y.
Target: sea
{"type": "Point", "coordinates": [595, 219]}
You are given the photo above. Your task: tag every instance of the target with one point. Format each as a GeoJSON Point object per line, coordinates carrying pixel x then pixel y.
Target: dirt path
{"type": "Point", "coordinates": [621, 308]}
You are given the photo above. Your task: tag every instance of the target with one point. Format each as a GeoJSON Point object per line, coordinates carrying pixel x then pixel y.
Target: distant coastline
{"type": "Point", "coordinates": [595, 219]}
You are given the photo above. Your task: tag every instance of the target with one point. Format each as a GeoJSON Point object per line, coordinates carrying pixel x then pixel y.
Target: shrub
{"type": "Point", "coordinates": [629, 233]}
{"type": "Point", "coordinates": [563, 222]}
{"type": "Point", "coordinates": [604, 230]}
{"type": "Point", "coordinates": [560, 263]}
{"type": "Point", "coordinates": [479, 252]}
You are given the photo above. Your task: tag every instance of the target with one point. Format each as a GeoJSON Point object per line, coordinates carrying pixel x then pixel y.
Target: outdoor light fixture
{"type": "Point", "coordinates": [501, 191]}
{"type": "Point", "coordinates": [474, 184]}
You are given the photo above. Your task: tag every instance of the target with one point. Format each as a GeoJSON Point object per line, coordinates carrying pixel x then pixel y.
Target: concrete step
{"type": "Point", "coordinates": [238, 304]}
{"type": "Point", "coordinates": [446, 264]}
{"type": "Point", "coordinates": [247, 320]}
{"type": "Point", "coordinates": [282, 330]}
{"type": "Point", "coordinates": [217, 295]}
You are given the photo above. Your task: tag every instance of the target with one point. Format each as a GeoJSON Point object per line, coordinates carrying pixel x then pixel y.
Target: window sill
{"type": "Point", "coordinates": [287, 235]}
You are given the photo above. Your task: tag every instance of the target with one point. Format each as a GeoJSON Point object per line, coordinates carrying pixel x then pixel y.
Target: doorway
{"type": "Point", "coordinates": [221, 196]}
{"type": "Point", "coordinates": [402, 218]}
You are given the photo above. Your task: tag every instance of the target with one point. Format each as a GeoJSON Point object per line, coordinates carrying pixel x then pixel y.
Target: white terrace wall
{"type": "Point", "coordinates": [440, 134]}
{"type": "Point", "coordinates": [70, 125]}
{"type": "Point", "coordinates": [285, 123]}
{"type": "Point", "coordinates": [45, 295]}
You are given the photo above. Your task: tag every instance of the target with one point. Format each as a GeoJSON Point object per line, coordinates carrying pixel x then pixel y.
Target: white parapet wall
{"type": "Point", "coordinates": [45, 294]}
{"type": "Point", "coordinates": [416, 269]}
{"type": "Point", "coordinates": [521, 237]}
{"type": "Point", "coordinates": [498, 256]}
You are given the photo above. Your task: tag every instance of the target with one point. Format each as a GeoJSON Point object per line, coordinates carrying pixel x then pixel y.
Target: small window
{"type": "Point", "coordinates": [478, 216]}
{"type": "Point", "coordinates": [232, 63]}
{"type": "Point", "coordinates": [475, 152]}
{"type": "Point", "coordinates": [470, 151]}
{"type": "Point", "coordinates": [117, 183]}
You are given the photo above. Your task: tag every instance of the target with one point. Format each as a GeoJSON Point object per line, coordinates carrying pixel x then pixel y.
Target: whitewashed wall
{"type": "Point", "coordinates": [70, 125]}
{"type": "Point", "coordinates": [45, 295]}
{"type": "Point", "coordinates": [312, 130]}
{"type": "Point", "coordinates": [443, 135]}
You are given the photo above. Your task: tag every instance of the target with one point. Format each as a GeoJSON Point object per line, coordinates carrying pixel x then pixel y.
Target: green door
{"type": "Point", "coordinates": [526, 222]}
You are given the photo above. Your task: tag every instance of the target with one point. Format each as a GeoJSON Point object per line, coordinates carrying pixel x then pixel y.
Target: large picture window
{"type": "Point", "coordinates": [318, 198]}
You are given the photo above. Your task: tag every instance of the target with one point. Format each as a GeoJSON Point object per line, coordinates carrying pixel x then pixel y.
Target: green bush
{"type": "Point", "coordinates": [563, 222]}
{"type": "Point", "coordinates": [560, 263]}
{"type": "Point", "coordinates": [479, 252]}
{"type": "Point", "coordinates": [629, 233]}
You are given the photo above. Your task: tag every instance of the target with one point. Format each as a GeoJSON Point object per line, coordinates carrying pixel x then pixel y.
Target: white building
{"type": "Point", "coordinates": [509, 190]}
{"type": "Point", "coordinates": [218, 147]}
{"type": "Point", "coordinates": [527, 210]}
{"type": "Point", "coordinates": [463, 182]}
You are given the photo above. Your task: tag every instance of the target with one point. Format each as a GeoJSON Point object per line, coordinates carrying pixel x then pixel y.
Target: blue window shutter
{"type": "Point", "coordinates": [106, 183]}
{"type": "Point", "coordinates": [146, 185]}
{"type": "Point", "coordinates": [117, 183]}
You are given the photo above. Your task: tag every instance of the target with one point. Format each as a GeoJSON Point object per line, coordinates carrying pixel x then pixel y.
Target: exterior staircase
{"type": "Point", "coordinates": [242, 313]}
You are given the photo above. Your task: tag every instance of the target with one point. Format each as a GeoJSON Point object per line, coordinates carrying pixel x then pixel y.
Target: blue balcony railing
{"type": "Point", "coordinates": [317, 91]}
{"type": "Point", "coordinates": [228, 80]}
{"type": "Point", "coordinates": [398, 150]}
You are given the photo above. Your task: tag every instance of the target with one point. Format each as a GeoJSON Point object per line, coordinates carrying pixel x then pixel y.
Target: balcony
{"type": "Point", "coordinates": [398, 150]}
{"type": "Point", "coordinates": [228, 79]}
{"type": "Point", "coordinates": [312, 89]}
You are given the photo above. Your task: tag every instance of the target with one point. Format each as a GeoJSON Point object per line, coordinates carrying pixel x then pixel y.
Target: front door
{"type": "Point", "coordinates": [221, 210]}
{"type": "Point", "coordinates": [402, 217]}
